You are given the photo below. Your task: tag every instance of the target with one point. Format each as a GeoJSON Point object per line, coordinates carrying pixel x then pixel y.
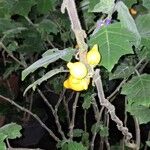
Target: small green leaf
{"type": "Point", "coordinates": [47, 26]}
{"type": "Point", "coordinates": [85, 139]}
{"type": "Point", "coordinates": [104, 131]}
{"type": "Point", "coordinates": [137, 90]}
{"type": "Point", "coordinates": [22, 7]}
{"type": "Point", "coordinates": [87, 101]}
{"type": "Point", "coordinates": [77, 132]}
{"type": "Point", "coordinates": [76, 146]}
{"type": "Point", "coordinates": [12, 130]}
{"type": "Point", "coordinates": [114, 41]}
{"type": "Point", "coordinates": [146, 3]}
{"type": "Point", "coordinates": [148, 143]}
{"type": "Point", "coordinates": [44, 6]}
{"type": "Point", "coordinates": [105, 6]}
{"type": "Point", "coordinates": [44, 78]}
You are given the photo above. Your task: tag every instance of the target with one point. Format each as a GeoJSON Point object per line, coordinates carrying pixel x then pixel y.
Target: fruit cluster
{"type": "Point", "coordinates": [79, 78]}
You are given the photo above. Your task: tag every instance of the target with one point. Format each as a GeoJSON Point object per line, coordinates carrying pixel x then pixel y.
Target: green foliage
{"type": "Point", "coordinates": [143, 24]}
{"type": "Point", "coordinates": [48, 57]}
{"type": "Point", "coordinates": [45, 6]}
{"type": "Point", "coordinates": [138, 94]}
{"type": "Point", "coordinates": [9, 131]}
{"type": "Point", "coordinates": [114, 41]}
{"type": "Point", "coordinates": [148, 143]}
{"type": "Point", "coordinates": [127, 21]}
{"type": "Point", "coordinates": [101, 129]}
{"type": "Point", "coordinates": [129, 3]}
{"type": "Point", "coordinates": [146, 4]}
{"type": "Point", "coordinates": [105, 6]}
{"type": "Point", "coordinates": [47, 76]}
{"type": "Point", "coordinates": [71, 145]}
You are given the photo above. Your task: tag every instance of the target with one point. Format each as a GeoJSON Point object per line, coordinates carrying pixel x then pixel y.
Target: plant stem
{"type": "Point", "coordinates": [76, 27]}
{"type": "Point", "coordinates": [71, 126]}
{"type": "Point", "coordinates": [111, 109]}
{"type": "Point", "coordinates": [11, 55]}
{"type": "Point", "coordinates": [85, 126]}
{"type": "Point", "coordinates": [137, 131]}
{"type": "Point", "coordinates": [54, 113]}
{"type": "Point", "coordinates": [33, 115]}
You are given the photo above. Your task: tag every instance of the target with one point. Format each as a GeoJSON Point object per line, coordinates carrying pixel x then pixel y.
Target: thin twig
{"type": "Point", "coordinates": [54, 113]}
{"type": "Point", "coordinates": [137, 131]}
{"type": "Point", "coordinates": [33, 115]}
{"type": "Point", "coordinates": [85, 125]}
{"type": "Point", "coordinates": [11, 55]}
{"type": "Point", "coordinates": [73, 116]}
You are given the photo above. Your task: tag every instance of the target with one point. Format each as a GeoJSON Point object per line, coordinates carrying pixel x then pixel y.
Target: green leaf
{"type": "Point", "coordinates": [137, 90]}
{"type": "Point", "coordinates": [122, 71]}
{"type": "Point", "coordinates": [143, 24]}
{"type": "Point", "coordinates": [48, 57]}
{"type": "Point", "coordinates": [3, 146]}
{"type": "Point", "coordinates": [114, 41]}
{"type": "Point", "coordinates": [77, 132]}
{"type": "Point", "coordinates": [22, 7]}
{"type": "Point", "coordinates": [148, 143]}
{"type": "Point", "coordinates": [140, 112]}
{"type": "Point", "coordinates": [6, 7]}
{"type": "Point", "coordinates": [44, 78]}
{"type": "Point", "coordinates": [47, 26]}
{"type": "Point", "coordinates": [12, 130]}
{"type": "Point", "coordinates": [85, 139]}
{"type": "Point", "coordinates": [32, 41]}
{"type": "Point", "coordinates": [127, 21]}
{"type": "Point", "coordinates": [104, 131]}
{"type": "Point", "coordinates": [44, 6]}
{"type": "Point", "coordinates": [146, 3]}
{"type": "Point", "coordinates": [105, 6]}
{"type": "Point", "coordinates": [129, 3]}
{"type": "Point", "coordinates": [76, 146]}
{"type": "Point", "coordinates": [87, 100]}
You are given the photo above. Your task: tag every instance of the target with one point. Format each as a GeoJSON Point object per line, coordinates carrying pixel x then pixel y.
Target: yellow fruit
{"type": "Point", "coordinates": [66, 84]}
{"type": "Point", "coordinates": [93, 56]}
{"type": "Point", "coordinates": [78, 70]}
{"type": "Point", "coordinates": [133, 11]}
{"type": "Point", "coordinates": [75, 84]}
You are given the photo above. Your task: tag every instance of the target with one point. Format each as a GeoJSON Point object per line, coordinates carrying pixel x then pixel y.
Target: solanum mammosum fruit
{"type": "Point", "coordinates": [93, 56]}
{"type": "Point", "coordinates": [78, 70]}
{"type": "Point", "coordinates": [76, 84]}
